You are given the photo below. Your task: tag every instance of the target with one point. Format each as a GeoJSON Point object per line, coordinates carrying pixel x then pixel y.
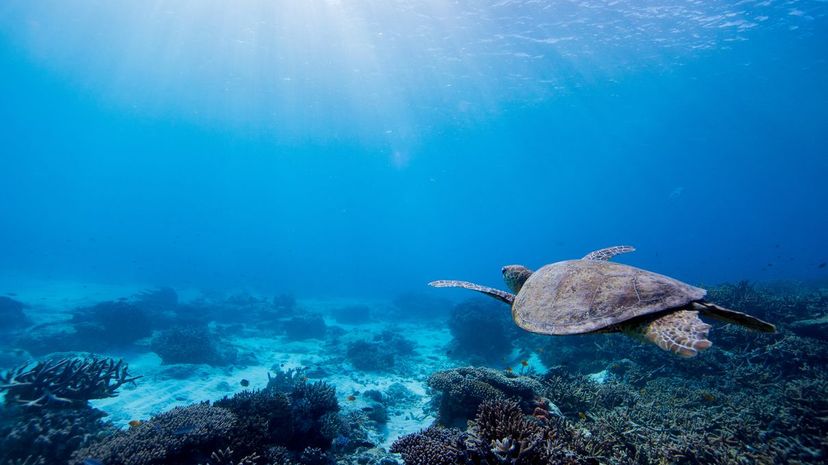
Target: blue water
{"type": "Point", "coordinates": [336, 148]}
{"type": "Point", "coordinates": [218, 219]}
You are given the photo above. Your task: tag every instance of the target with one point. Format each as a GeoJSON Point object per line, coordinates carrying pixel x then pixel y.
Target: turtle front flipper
{"type": "Point", "coordinates": [489, 291]}
{"type": "Point", "coordinates": [732, 316]}
{"type": "Point", "coordinates": [608, 253]}
{"type": "Point", "coordinates": [680, 332]}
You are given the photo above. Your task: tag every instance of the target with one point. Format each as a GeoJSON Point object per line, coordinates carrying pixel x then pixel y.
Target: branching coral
{"type": "Point", "coordinates": [181, 435]}
{"type": "Point", "coordinates": [304, 416]}
{"type": "Point", "coordinates": [286, 380]}
{"type": "Point", "coordinates": [501, 434]}
{"type": "Point", "coordinates": [264, 418]}
{"type": "Point", "coordinates": [462, 390]}
{"type": "Point", "coordinates": [48, 435]}
{"type": "Point", "coordinates": [66, 382]}
{"type": "Point", "coordinates": [435, 446]}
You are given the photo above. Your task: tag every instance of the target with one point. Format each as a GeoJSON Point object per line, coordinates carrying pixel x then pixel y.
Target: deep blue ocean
{"type": "Point", "coordinates": [363, 148]}
{"type": "Point", "coordinates": [248, 198]}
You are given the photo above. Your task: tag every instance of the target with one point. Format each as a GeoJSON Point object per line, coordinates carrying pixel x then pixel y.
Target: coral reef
{"type": "Point", "coordinates": [462, 390]}
{"type": "Point", "coordinates": [286, 380]}
{"type": "Point", "coordinates": [379, 354]}
{"type": "Point", "coordinates": [49, 435]}
{"type": "Point", "coordinates": [305, 327]}
{"type": "Point", "coordinates": [46, 415]}
{"type": "Point", "coordinates": [194, 344]}
{"type": "Point", "coordinates": [502, 434]}
{"type": "Point", "coordinates": [289, 412]}
{"type": "Point", "coordinates": [815, 327]}
{"type": "Point", "coordinates": [110, 325]}
{"type": "Point", "coordinates": [182, 435]}
{"type": "Point", "coordinates": [780, 302]}
{"type": "Point", "coordinates": [370, 356]}
{"type": "Point", "coordinates": [65, 382]}
{"type": "Point", "coordinates": [264, 419]}
{"type": "Point", "coordinates": [482, 330]}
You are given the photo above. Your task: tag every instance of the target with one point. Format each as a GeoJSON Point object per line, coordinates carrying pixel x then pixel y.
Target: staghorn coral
{"type": "Point", "coordinates": [182, 435]}
{"type": "Point", "coordinates": [65, 383]}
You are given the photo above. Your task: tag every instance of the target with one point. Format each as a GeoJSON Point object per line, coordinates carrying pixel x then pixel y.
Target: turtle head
{"type": "Point", "coordinates": [515, 276]}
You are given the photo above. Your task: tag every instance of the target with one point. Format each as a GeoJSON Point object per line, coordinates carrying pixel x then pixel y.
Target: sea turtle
{"type": "Point", "coordinates": [595, 295]}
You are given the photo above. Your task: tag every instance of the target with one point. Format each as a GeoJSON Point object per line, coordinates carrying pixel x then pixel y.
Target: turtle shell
{"type": "Point", "coordinates": [582, 296]}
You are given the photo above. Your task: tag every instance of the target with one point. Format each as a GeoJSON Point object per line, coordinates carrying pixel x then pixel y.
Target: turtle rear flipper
{"type": "Point", "coordinates": [680, 332]}
{"type": "Point", "coordinates": [732, 316]}
{"type": "Point", "coordinates": [502, 296]}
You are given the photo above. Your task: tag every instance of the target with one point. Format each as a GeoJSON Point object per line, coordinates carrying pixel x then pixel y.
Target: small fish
{"type": "Point", "coordinates": [92, 462]}
{"type": "Point", "coordinates": [524, 363]}
{"type": "Point", "coordinates": [186, 429]}
{"type": "Point", "coordinates": [244, 382]}
{"type": "Point", "coordinates": [134, 423]}
{"type": "Point", "coordinates": [822, 265]}
{"type": "Point", "coordinates": [508, 369]}
{"type": "Point", "coordinates": [582, 415]}
{"type": "Point", "coordinates": [351, 398]}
